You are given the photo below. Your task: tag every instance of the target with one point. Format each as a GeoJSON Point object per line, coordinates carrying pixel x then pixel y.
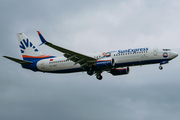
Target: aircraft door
{"type": "Point", "coordinates": [155, 51]}
{"type": "Point", "coordinates": [144, 57]}
{"type": "Point", "coordinates": [42, 66]}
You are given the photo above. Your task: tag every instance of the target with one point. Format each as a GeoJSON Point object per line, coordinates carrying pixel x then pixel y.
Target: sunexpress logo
{"type": "Point", "coordinates": [106, 54]}
{"type": "Point", "coordinates": [132, 50]}
{"type": "Point", "coordinates": [165, 54]}
{"type": "Point", "coordinates": [24, 44]}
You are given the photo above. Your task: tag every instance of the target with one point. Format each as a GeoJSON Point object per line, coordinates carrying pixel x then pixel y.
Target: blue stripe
{"type": "Point", "coordinates": [36, 59]}
{"type": "Point", "coordinates": [140, 62]}
{"type": "Point", "coordinates": [67, 70]}
{"type": "Point", "coordinates": [32, 67]}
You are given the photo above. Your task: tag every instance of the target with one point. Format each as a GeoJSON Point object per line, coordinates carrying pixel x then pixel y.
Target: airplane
{"type": "Point", "coordinates": [114, 62]}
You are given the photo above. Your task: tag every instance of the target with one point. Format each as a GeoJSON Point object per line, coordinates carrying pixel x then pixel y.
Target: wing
{"type": "Point", "coordinates": [23, 62]}
{"type": "Point", "coordinates": [83, 60]}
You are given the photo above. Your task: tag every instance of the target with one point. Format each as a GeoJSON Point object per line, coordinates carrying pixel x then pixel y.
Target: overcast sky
{"type": "Point", "coordinates": [88, 26]}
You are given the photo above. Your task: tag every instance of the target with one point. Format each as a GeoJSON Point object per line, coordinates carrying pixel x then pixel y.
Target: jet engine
{"type": "Point", "coordinates": [122, 71]}
{"type": "Point", "coordinates": [105, 62]}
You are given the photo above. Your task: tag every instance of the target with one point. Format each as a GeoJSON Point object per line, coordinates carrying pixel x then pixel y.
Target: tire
{"type": "Point", "coordinates": [99, 77]}
{"type": "Point", "coordinates": [160, 67]}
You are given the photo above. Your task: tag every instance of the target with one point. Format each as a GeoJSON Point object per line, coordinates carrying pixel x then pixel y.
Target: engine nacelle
{"type": "Point", "coordinates": [122, 71]}
{"type": "Point", "coordinates": [105, 62]}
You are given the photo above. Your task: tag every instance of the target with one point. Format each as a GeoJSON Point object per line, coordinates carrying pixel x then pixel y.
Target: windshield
{"type": "Point", "coordinates": [166, 50]}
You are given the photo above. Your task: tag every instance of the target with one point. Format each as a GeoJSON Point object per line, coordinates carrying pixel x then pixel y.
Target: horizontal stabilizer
{"type": "Point", "coordinates": [23, 62]}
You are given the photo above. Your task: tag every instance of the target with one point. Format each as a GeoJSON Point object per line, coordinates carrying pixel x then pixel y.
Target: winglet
{"type": "Point", "coordinates": [42, 38]}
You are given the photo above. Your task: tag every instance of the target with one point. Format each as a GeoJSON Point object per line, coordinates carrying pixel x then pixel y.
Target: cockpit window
{"type": "Point", "coordinates": [166, 50]}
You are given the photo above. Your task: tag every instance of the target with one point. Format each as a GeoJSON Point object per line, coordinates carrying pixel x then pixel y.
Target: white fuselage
{"type": "Point", "coordinates": [130, 57]}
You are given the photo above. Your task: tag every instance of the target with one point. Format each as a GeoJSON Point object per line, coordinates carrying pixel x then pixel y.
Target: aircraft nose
{"type": "Point", "coordinates": [174, 54]}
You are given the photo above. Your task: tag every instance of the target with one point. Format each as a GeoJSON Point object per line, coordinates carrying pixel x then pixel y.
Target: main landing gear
{"type": "Point", "coordinates": [99, 76]}
{"type": "Point", "coordinates": [90, 72]}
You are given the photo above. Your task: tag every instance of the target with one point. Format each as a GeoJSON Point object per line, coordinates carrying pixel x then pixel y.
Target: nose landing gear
{"type": "Point", "coordinates": [162, 63]}
{"type": "Point", "coordinates": [160, 67]}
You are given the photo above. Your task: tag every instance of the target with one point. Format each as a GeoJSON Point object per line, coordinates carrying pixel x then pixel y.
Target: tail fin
{"type": "Point", "coordinates": [26, 46]}
{"type": "Point", "coordinates": [28, 50]}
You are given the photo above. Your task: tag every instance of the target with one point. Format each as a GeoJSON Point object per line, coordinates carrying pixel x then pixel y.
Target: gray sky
{"type": "Point", "coordinates": [90, 26]}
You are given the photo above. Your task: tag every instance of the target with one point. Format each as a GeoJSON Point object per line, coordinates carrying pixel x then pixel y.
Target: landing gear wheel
{"type": "Point", "coordinates": [90, 72]}
{"type": "Point", "coordinates": [160, 67]}
{"type": "Point", "coordinates": [99, 77]}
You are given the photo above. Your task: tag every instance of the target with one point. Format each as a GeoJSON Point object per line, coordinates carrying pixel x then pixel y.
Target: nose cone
{"type": "Point", "coordinates": [174, 54]}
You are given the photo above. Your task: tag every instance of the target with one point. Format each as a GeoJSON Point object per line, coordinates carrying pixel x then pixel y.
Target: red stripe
{"type": "Point", "coordinates": [41, 56]}
{"type": "Point", "coordinates": [102, 60]}
{"type": "Point", "coordinates": [121, 69]}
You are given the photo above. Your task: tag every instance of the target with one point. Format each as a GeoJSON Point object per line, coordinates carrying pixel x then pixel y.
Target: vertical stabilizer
{"type": "Point", "coordinates": [28, 50]}
{"type": "Point", "coordinates": [26, 46]}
